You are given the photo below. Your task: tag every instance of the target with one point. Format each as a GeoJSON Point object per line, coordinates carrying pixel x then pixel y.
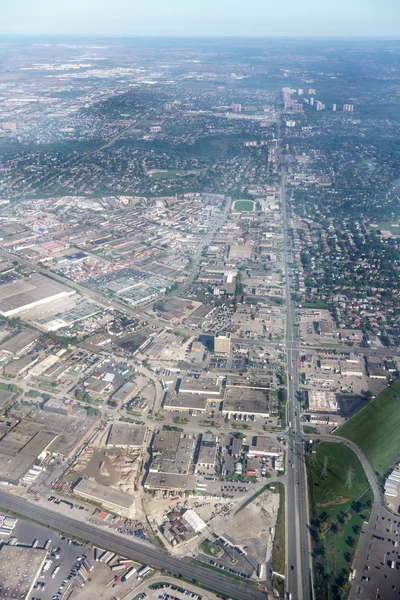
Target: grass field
{"type": "Point", "coordinates": [309, 430]}
{"type": "Point", "coordinates": [162, 174]}
{"type": "Point", "coordinates": [243, 205]}
{"type": "Point", "coordinates": [394, 228]}
{"type": "Point", "coordinates": [375, 429]}
{"type": "Point", "coordinates": [340, 500]}
{"type": "Point", "coordinates": [210, 549]}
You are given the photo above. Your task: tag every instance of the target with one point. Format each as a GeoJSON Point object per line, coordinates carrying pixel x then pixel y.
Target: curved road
{"type": "Point", "coordinates": [360, 455]}
{"type": "Point", "coordinates": [377, 510]}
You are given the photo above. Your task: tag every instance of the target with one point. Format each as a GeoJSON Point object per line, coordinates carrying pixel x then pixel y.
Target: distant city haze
{"type": "Point", "coordinates": [260, 18]}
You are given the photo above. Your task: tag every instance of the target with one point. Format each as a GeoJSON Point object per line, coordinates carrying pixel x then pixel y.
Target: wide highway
{"type": "Point", "coordinates": [131, 548]}
{"type": "Point", "coordinates": [299, 584]}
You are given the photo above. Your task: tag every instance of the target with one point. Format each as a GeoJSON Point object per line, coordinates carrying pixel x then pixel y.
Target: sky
{"type": "Point", "coordinates": [259, 18]}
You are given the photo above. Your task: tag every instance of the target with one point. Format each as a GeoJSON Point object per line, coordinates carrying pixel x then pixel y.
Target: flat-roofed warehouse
{"type": "Point", "coordinates": [110, 498]}
{"type": "Point", "coordinates": [351, 368]}
{"type": "Point", "coordinates": [172, 462]}
{"type": "Point", "coordinates": [207, 386]}
{"type": "Point", "coordinates": [19, 451]}
{"type": "Point", "coordinates": [125, 392]}
{"type": "Point", "coordinates": [319, 401]}
{"type": "Point", "coordinates": [244, 401]}
{"type": "Point", "coordinates": [21, 342]}
{"type": "Point", "coordinates": [24, 294]}
{"type": "Point", "coordinates": [185, 402]}
{"type": "Point", "coordinates": [19, 366]}
{"type": "Point", "coordinates": [126, 435]}
{"type": "Point", "coordinates": [263, 446]}
{"type": "Point", "coordinates": [13, 468]}
{"type": "Point", "coordinates": [170, 481]}
{"type": "Point", "coordinates": [20, 567]}
{"type": "Point", "coordinates": [5, 398]}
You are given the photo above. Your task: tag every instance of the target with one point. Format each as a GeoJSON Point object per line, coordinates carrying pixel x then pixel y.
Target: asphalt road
{"type": "Point", "coordinates": [299, 566]}
{"type": "Point", "coordinates": [133, 549]}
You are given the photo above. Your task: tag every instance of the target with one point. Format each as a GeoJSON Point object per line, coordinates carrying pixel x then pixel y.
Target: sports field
{"type": "Point", "coordinates": [340, 500]}
{"type": "Point", "coordinates": [375, 429]}
{"type": "Point", "coordinates": [243, 205]}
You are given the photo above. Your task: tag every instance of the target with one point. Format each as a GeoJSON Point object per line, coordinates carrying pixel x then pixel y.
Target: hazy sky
{"type": "Point", "coordinates": [202, 17]}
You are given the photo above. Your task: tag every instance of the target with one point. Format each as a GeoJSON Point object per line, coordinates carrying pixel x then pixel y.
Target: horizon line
{"type": "Point", "coordinates": [202, 36]}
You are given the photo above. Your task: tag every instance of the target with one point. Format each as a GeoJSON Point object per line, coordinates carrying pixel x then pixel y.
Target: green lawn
{"type": "Point", "coordinates": [394, 227]}
{"type": "Point", "coordinates": [210, 549]}
{"type": "Point", "coordinates": [375, 429]}
{"type": "Point", "coordinates": [340, 500]}
{"type": "Point", "coordinates": [167, 174]}
{"type": "Point", "coordinates": [243, 205]}
{"type": "Point", "coordinates": [309, 430]}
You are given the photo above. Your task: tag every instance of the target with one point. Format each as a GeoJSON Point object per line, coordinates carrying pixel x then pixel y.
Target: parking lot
{"type": "Point", "coordinates": [64, 553]}
{"type": "Point", "coordinates": [171, 589]}
{"type": "Point", "coordinates": [381, 571]}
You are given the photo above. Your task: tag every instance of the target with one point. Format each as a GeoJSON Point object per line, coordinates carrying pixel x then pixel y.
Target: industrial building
{"type": "Point", "coordinates": [351, 368]}
{"type": "Point", "coordinates": [185, 402]}
{"type": "Point", "coordinates": [319, 401]}
{"type": "Point", "coordinates": [170, 481]}
{"type": "Point", "coordinates": [20, 343]}
{"type": "Point", "coordinates": [42, 432]}
{"type": "Point", "coordinates": [172, 462]}
{"type": "Point", "coordinates": [126, 435]}
{"type": "Point", "coordinates": [207, 386]}
{"type": "Point", "coordinates": [30, 292]}
{"type": "Point", "coordinates": [194, 521]}
{"type": "Point", "coordinates": [376, 368]}
{"type": "Point", "coordinates": [262, 446]}
{"type": "Point", "coordinates": [39, 368]}
{"type": "Point", "coordinates": [325, 329]}
{"type": "Point", "coordinates": [21, 365]}
{"type": "Point", "coordinates": [246, 402]}
{"type": "Point", "coordinates": [57, 406]}
{"type": "Point", "coordinates": [125, 392]}
{"type": "Point", "coordinates": [21, 448]}
{"type": "Point", "coordinates": [207, 454]}
{"type": "Point", "coordinates": [108, 497]}
{"type": "Point", "coordinates": [20, 567]}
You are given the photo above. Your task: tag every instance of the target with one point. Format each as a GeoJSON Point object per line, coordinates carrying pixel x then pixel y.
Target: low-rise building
{"type": "Point", "coordinates": [126, 435]}
{"type": "Point", "coordinates": [319, 401]}
{"type": "Point", "coordinates": [20, 343]}
{"type": "Point", "coordinates": [58, 406]}
{"type": "Point", "coordinates": [112, 499]}
{"type": "Point", "coordinates": [185, 402]}
{"type": "Point", "coordinates": [263, 446]}
{"type": "Point", "coordinates": [351, 368]}
{"type": "Point", "coordinates": [20, 567]}
{"type": "Point", "coordinates": [207, 454]}
{"type": "Point", "coordinates": [206, 386]}
{"type": "Point", "coordinates": [246, 402]}
{"type": "Point", "coordinates": [21, 365]}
